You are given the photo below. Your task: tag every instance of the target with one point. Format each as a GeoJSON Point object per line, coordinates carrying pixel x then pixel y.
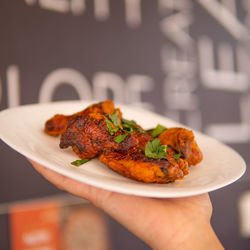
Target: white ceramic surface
{"type": "Point", "coordinates": [22, 129]}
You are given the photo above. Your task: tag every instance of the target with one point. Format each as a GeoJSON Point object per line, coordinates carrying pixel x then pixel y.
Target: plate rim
{"type": "Point", "coordinates": [138, 192]}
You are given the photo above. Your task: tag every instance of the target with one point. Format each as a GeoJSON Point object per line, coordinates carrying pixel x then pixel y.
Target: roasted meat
{"type": "Point", "coordinates": [100, 130]}
{"type": "Point", "coordinates": [183, 141]}
{"type": "Point", "coordinates": [137, 166]}
{"type": "Point", "coordinates": [89, 136]}
{"type": "Point", "coordinates": [58, 123]}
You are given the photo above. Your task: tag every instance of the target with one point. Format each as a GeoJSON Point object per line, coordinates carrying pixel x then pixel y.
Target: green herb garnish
{"type": "Point", "coordinates": [79, 162]}
{"type": "Point", "coordinates": [155, 150]}
{"type": "Point", "coordinates": [158, 130]}
{"type": "Point", "coordinates": [109, 125]}
{"type": "Point", "coordinates": [120, 138]}
{"type": "Point", "coordinates": [177, 156]}
{"type": "Point", "coordinates": [114, 118]}
{"type": "Point", "coordinates": [127, 127]}
{"type": "Point", "coordinates": [129, 122]}
{"type": "Point", "coordinates": [130, 125]}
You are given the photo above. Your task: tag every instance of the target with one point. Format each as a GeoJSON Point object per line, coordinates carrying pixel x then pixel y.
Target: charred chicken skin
{"type": "Point", "coordinates": [100, 130]}
{"type": "Point", "coordinates": [89, 136]}
{"type": "Point", "coordinates": [137, 166]}
{"type": "Point", "coordinates": [58, 123]}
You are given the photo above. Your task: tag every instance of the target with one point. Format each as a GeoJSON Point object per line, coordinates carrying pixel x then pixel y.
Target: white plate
{"type": "Point", "coordinates": [22, 129]}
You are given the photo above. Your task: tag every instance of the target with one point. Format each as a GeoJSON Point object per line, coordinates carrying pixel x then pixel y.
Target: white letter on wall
{"type": "Point", "coordinates": [13, 86]}
{"type": "Point", "coordinates": [136, 84]}
{"type": "Point", "coordinates": [101, 9]}
{"type": "Point", "coordinates": [133, 12]}
{"type": "Point", "coordinates": [62, 76]}
{"type": "Point", "coordinates": [103, 81]}
{"type": "Point", "coordinates": [55, 5]}
{"type": "Point", "coordinates": [78, 6]}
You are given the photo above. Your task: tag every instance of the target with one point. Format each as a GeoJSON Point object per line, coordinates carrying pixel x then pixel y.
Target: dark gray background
{"type": "Point", "coordinates": [38, 41]}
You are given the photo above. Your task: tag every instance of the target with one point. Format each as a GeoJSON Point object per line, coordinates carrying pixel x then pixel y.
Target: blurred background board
{"type": "Point", "coordinates": [186, 59]}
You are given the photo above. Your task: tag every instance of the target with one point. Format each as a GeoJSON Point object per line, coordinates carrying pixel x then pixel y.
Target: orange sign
{"type": "Point", "coordinates": [35, 226]}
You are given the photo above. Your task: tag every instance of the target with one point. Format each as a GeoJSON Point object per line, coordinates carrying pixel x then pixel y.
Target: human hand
{"type": "Point", "coordinates": [176, 223]}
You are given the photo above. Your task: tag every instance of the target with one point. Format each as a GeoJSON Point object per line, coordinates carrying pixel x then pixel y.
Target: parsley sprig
{"type": "Point", "coordinates": [126, 126]}
{"type": "Point", "coordinates": [110, 128]}
{"type": "Point", "coordinates": [120, 138]}
{"type": "Point", "coordinates": [114, 118]}
{"type": "Point", "coordinates": [78, 163]}
{"type": "Point", "coordinates": [155, 150]}
{"type": "Point", "coordinates": [129, 123]}
{"type": "Point", "coordinates": [177, 156]}
{"type": "Point", "coordinates": [158, 130]}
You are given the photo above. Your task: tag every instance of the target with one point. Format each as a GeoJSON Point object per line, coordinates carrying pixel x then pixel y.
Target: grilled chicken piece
{"type": "Point", "coordinates": [182, 140]}
{"type": "Point", "coordinates": [58, 123]}
{"type": "Point", "coordinates": [137, 166]}
{"type": "Point", "coordinates": [89, 136]}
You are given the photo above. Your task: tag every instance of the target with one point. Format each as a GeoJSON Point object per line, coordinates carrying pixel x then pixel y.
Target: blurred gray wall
{"type": "Point", "coordinates": [186, 59]}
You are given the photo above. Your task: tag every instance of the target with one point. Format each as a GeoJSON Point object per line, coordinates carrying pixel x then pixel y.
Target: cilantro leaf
{"type": "Point", "coordinates": [109, 125]}
{"type": "Point", "coordinates": [155, 150]}
{"type": "Point", "coordinates": [114, 118]}
{"type": "Point", "coordinates": [177, 156]}
{"type": "Point", "coordinates": [129, 122]}
{"type": "Point", "coordinates": [129, 125]}
{"type": "Point", "coordinates": [79, 162]}
{"type": "Point", "coordinates": [121, 138]}
{"type": "Point", "coordinates": [158, 130]}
